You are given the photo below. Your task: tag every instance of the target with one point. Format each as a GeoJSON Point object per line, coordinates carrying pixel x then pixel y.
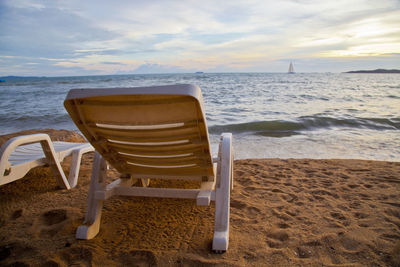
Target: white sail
{"type": "Point", "coordinates": [291, 69]}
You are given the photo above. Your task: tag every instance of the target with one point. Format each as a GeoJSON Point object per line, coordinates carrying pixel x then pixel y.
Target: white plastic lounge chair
{"type": "Point", "coordinates": [22, 153]}
{"type": "Point", "coordinates": [152, 132]}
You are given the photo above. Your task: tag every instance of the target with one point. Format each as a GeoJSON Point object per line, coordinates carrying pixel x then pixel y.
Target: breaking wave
{"type": "Point", "coordinates": [282, 128]}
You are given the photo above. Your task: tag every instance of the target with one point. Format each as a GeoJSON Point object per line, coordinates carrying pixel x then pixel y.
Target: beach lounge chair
{"type": "Point", "coordinates": [152, 132]}
{"type": "Point", "coordinates": [22, 153]}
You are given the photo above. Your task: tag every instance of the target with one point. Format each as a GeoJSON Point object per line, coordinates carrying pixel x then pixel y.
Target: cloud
{"type": "Point", "coordinates": [112, 63]}
{"type": "Point", "coordinates": [102, 37]}
{"type": "Point", "coordinates": [158, 68]}
{"type": "Point", "coordinates": [46, 32]}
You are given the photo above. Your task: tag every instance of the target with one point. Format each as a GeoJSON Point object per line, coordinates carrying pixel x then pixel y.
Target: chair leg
{"type": "Point", "coordinates": [94, 206]}
{"type": "Point", "coordinates": [222, 196]}
{"type": "Point", "coordinates": [232, 178]}
{"type": "Point", "coordinates": [76, 165]}
{"type": "Point", "coordinates": [54, 163]}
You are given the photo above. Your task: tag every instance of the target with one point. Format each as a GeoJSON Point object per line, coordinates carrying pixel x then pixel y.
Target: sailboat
{"type": "Point", "coordinates": [291, 69]}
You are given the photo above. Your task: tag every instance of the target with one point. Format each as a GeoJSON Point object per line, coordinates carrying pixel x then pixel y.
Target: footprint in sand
{"type": "Point", "coordinates": [16, 214]}
{"type": "Point", "coordinates": [349, 243]}
{"type": "Point", "coordinates": [279, 235]}
{"type": "Point", "coordinates": [5, 252]}
{"type": "Point", "coordinates": [277, 238]}
{"type": "Point", "coordinates": [50, 263]}
{"type": "Point", "coordinates": [53, 222]}
{"type": "Point", "coordinates": [16, 250]}
{"type": "Point", "coordinates": [274, 244]}
{"type": "Point", "coordinates": [77, 256]}
{"type": "Point", "coordinates": [139, 258]}
{"type": "Point", "coordinates": [54, 216]}
{"type": "Point", "coordinates": [253, 212]}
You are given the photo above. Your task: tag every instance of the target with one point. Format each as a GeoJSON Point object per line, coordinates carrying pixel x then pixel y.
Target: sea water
{"type": "Point", "coordinates": [271, 115]}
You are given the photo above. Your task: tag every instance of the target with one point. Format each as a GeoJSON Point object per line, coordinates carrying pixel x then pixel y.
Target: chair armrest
{"type": "Point", "coordinates": [9, 147]}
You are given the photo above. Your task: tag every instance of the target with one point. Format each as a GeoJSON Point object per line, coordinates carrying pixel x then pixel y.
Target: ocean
{"type": "Point", "coordinates": [271, 115]}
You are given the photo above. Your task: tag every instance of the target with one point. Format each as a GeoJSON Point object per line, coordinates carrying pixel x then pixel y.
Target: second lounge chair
{"type": "Point", "coordinates": [22, 153]}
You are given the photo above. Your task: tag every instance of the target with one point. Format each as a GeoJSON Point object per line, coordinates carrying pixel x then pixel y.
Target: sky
{"type": "Point", "coordinates": [86, 37]}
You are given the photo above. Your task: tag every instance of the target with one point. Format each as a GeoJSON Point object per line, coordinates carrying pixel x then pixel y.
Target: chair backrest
{"type": "Point", "coordinates": [148, 132]}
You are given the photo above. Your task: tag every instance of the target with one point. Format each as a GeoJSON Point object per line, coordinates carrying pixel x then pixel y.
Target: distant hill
{"type": "Point", "coordinates": [374, 71]}
{"type": "Point", "coordinates": [19, 77]}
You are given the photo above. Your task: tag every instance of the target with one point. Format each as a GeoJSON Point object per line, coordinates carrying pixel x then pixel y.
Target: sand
{"type": "Point", "coordinates": [284, 212]}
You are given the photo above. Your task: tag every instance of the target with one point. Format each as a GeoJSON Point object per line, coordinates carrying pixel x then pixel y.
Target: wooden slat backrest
{"type": "Point", "coordinates": [155, 132]}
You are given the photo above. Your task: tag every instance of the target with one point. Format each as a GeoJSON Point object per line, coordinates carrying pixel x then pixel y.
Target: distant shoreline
{"type": "Point", "coordinates": [375, 71]}
{"type": "Point", "coordinates": [12, 77]}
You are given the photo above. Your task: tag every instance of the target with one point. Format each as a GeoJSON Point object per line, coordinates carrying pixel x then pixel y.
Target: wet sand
{"type": "Point", "coordinates": [284, 212]}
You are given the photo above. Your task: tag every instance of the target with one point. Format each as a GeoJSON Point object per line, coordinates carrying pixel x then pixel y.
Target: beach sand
{"type": "Point", "coordinates": [284, 212]}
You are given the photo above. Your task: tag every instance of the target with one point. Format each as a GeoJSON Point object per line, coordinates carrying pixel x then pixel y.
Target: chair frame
{"type": "Point", "coordinates": [218, 191]}
{"type": "Point", "coordinates": [10, 173]}
{"type": "Point", "coordinates": [133, 118]}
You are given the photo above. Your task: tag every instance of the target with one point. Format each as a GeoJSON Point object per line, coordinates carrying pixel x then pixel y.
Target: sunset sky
{"type": "Point", "coordinates": [58, 38]}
